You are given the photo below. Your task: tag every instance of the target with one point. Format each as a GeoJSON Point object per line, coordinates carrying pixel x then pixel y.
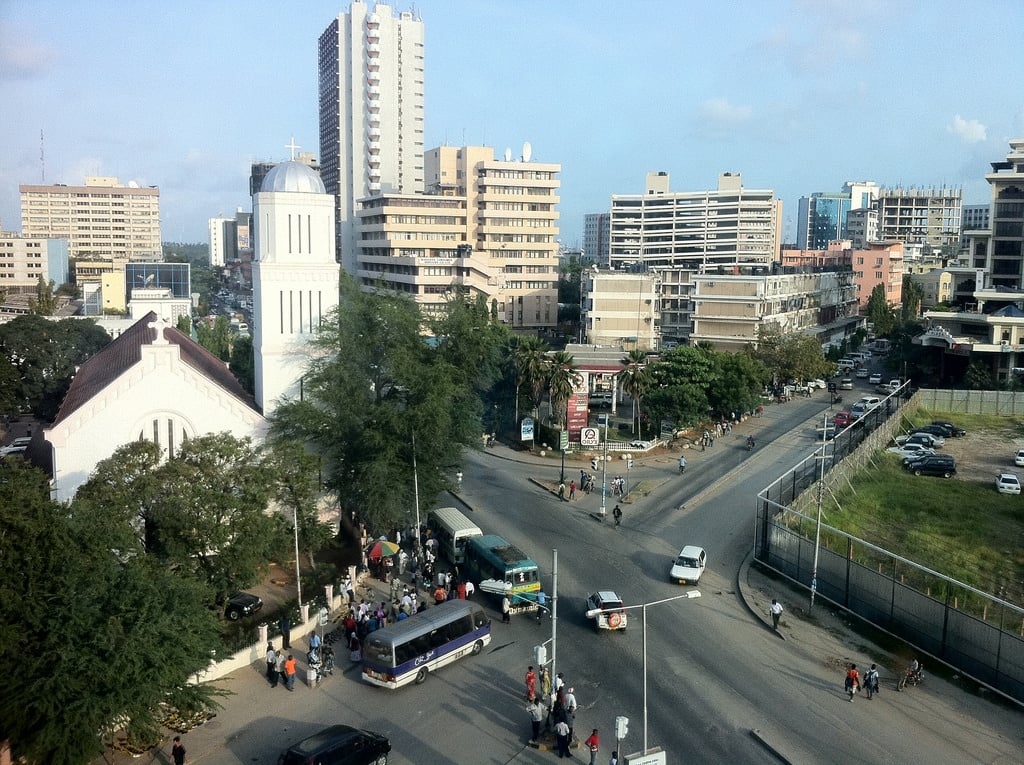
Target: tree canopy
{"type": "Point", "coordinates": [375, 384]}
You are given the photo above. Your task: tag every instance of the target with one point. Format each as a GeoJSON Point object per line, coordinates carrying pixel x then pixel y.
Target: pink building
{"type": "Point", "coordinates": [878, 263]}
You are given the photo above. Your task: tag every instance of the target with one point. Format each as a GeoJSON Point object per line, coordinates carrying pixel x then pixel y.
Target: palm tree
{"type": "Point", "coordinates": [530, 363]}
{"type": "Point", "coordinates": [635, 380]}
{"type": "Point", "coordinates": [562, 381]}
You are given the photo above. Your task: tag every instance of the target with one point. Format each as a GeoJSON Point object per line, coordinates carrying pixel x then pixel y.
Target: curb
{"type": "Point", "coordinates": [759, 738]}
{"type": "Point", "coordinates": [741, 578]}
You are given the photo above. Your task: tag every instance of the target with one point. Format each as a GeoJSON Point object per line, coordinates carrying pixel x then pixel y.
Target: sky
{"type": "Point", "coordinates": [798, 96]}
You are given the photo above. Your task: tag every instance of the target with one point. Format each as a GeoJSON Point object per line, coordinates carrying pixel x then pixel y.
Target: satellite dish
{"type": "Point", "coordinates": [508, 155]}
{"type": "Point", "coordinates": [527, 151]}
{"type": "Point", "coordinates": [133, 184]}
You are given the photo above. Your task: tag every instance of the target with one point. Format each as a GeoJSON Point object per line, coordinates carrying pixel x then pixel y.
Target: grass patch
{"type": "Point", "coordinates": [970, 422]}
{"type": "Point", "coordinates": [962, 529]}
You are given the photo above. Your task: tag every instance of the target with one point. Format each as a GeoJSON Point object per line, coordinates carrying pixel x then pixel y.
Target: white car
{"type": "Point", "coordinates": [688, 565]}
{"type": "Point", "coordinates": [846, 383]}
{"type": "Point", "coordinates": [1007, 483]}
{"type": "Point", "coordinates": [1018, 458]}
{"type": "Point", "coordinates": [17, 446]}
{"type": "Point", "coordinates": [817, 383]}
{"type": "Point", "coordinates": [911, 450]}
{"type": "Point", "coordinates": [928, 439]}
{"type": "Point", "coordinates": [605, 600]}
{"type": "Point", "coordinates": [875, 379]}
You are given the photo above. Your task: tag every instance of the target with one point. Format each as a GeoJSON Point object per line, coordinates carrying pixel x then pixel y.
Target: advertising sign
{"type": "Point", "coordinates": [526, 429]}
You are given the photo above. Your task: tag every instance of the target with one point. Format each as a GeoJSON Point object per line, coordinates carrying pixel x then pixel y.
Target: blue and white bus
{"type": "Point", "coordinates": [409, 650]}
{"type": "Point", "coordinates": [501, 568]}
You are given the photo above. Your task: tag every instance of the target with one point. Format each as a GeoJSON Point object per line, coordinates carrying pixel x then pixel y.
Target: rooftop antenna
{"type": "Point", "coordinates": [42, 157]}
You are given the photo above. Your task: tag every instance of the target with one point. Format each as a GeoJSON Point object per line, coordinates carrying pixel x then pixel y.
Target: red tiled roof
{"type": "Point", "coordinates": [126, 351]}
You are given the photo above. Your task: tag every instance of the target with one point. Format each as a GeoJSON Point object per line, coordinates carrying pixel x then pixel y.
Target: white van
{"type": "Point", "coordinates": [846, 364]}
{"type": "Point", "coordinates": [601, 398]}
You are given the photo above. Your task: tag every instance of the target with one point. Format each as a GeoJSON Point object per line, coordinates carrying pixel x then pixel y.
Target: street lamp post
{"type": "Point", "coordinates": [817, 527]}
{"type": "Point", "coordinates": [689, 594]}
{"type": "Point", "coordinates": [604, 469]}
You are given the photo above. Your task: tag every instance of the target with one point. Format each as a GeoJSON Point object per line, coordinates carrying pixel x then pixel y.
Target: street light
{"type": "Point", "coordinates": [604, 468]}
{"type": "Point", "coordinates": [689, 594]}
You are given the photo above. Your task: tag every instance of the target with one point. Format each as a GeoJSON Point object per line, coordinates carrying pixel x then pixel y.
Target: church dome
{"type": "Point", "coordinates": [293, 176]}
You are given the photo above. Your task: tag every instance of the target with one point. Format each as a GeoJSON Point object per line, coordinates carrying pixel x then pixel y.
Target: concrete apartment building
{"type": "Point", "coordinates": [862, 227]}
{"type": "Point", "coordinates": [729, 310]}
{"type": "Point", "coordinates": [102, 220]}
{"type": "Point", "coordinates": [489, 226]}
{"type": "Point", "coordinates": [371, 85]}
{"type": "Point", "coordinates": [596, 233]}
{"type": "Point", "coordinates": [987, 324]}
{"type": "Point", "coordinates": [877, 263]}
{"type": "Point", "coordinates": [622, 309]}
{"type": "Point", "coordinates": [230, 238]}
{"type": "Point", "coordinates": [23, 259]}
{"type": "Point", "coordinates": [918, 215]}
{"type": "Point", "coordinates": [729, 229]}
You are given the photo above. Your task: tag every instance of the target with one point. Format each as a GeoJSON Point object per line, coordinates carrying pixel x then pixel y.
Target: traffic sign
{"type": "Point", "coordinates": [563, 440]}
{"type": "Point", "coordinates": [590, 437]}
{"type": "Point", "coordinates": [323, 616]}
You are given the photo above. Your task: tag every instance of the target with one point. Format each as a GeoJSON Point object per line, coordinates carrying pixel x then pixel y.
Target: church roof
{"type": "Point", "coordinates": [293, 176]}
{"type": "Point", "coordinates": [126, 350]}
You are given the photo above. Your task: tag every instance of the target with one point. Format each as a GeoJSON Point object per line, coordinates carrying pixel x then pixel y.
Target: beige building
{"type": "Point", "coordinates": [102, 220]}
{"type": "Point", "coordinates": [112, 292]}
{"type": "Point", "coordinates": [937, 284]}
{"type": "Point", "coordinates": [729, 310]}
{"type": "Point", "coordinates": [487, 225]}
{"type": "Point", "coordinates": [623, 310]}
{"type": "Point", "coordinates": [23, 259]}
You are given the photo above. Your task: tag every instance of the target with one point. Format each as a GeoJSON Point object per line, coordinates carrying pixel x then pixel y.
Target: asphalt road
{"type": "Point", "coordinates": [714, 672]}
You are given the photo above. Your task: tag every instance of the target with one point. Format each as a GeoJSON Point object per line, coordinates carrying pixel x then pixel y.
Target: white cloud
{"type": "Point", "coordinates": [720, 111]}
{"type": "Point", "coordinates": [969, 131]}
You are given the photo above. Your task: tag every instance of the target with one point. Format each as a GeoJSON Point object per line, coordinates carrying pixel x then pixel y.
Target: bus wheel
{"type": "Point", "coordinates": [421, 675]}
{"type": "Point", "coordinates": [478, 646]}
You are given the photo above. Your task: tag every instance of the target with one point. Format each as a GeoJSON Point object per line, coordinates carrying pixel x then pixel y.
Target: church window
{"type": "Point", "coordinates": [300, 311]}
{"type": "Point", "coordinates": [170, 437]}
{"type": "Point", "coordinates": [289, 232]}
{"type": "Point", "coordinates": [280, 309]}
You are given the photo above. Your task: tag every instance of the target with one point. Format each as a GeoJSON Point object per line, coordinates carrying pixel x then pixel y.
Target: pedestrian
{"type": "Point", "coordinates": [852, 682]}
{"type": "Point", "coordinates": [289, 673]}
{"type": "Point", "coordinates": [545, 685]}
{"type": "Point", "coordinates": [593, 743]}
{"type": "Point", "coordinates": [536, 711]}
{"type": "Point", "coordinates": [314, 641]}
{"type": "Point", "coordinates": [280, 667]}
{"type": "Point", "coordinates": [572, 489]}
{"type": "Point", "coordinates": [470, 589]}
{"type": "Point", "coordinates": [570, 710]}
{"type": "Point", "coordinates": [617, 515]}
{"type": "Point", "coordinates": [350, 590]}
{"type": "Point", "coordinates": [561, 491]}
{"type": "Point", "coordinates": [271, 665]}
{"type": "Point", "coordinates": [615, 758]}
{"type": "Point", "coordinates": [506, 610]}
{"type": "Point", "coordinates": [178, 751]}
{"type": "Point", "coordinates": [562, 739]}
{"type": "Point", "coordinates": [531, 684]}
{"type": "Point", "coordinates": [871, 681]}
{"type": "Point", "coordinates": [403, 560]}
{"type": "Point", "coordinates": [776, 611]}
{"type": "Point", "coordinates": [439, 595]}
{"type": "Point", "coordinates": [286, 633]}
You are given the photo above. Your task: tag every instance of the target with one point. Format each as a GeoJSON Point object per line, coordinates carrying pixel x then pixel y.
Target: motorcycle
{"type": "Point", "coordinates": [490, 441]}
{"type": "Point", "coordinates": [911, 677]}
{"type": "Point", "coordinates": [750, 444]}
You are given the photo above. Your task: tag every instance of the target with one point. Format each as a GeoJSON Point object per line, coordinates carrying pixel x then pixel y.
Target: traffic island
{"type": "Point", "coordinates": [547, 742]}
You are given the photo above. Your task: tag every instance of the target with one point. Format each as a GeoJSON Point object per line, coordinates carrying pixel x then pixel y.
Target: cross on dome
{"type": "Point", "coordinates": [292, 146]}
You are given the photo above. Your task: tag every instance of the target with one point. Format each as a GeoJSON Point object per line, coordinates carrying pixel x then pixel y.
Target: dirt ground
{"type": "Point", "coordinates": [982, 455]}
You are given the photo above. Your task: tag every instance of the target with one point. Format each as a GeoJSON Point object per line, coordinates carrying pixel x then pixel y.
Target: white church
{"type": "Point", "coordinates": [153, 382]}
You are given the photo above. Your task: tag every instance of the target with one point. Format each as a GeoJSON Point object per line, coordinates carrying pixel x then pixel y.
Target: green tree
{"type": "Point", "coordinates": [636, 381]}
{"type": "Point", "coordinates": [44, 355]}
{"type": "Point", "coordinates": [790, 356]}
{"type": "Point", "coordinates": [912, 298]}
{"type": "Point", "coordinates": [101, 638]}
{"type": "Point", "coordinates": [184, 325]}
{"type": "Point", "coordinates": [216, 339]}
{"type": "Point", "coordinates": [373, 386]}
{"type": "Point", "coordinates": [209, 515]}
{"type": "Point", "coordinates": [243, 362]}
{"type": "Point", "coordinates": [979, 377]}
{"type": "Point", "coordinates": [298, 494]}
{"type": "Point", "coordinates": [45, 301]}
{"type": "Point", "coordinates": [530, 360]}
{"type": "Point", "coordinates": [880, 313]}
{"type": "Point", "coordinates": [739, 380]}
{"type": "Point", "coordinates": [563, 378]}
{"type": "Point", "coordinates": [469, 341]}
{"type": "Point", "coordinates": [679, 385]}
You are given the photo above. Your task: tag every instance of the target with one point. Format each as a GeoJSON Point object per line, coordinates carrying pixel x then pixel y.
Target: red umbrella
{"type": "Point", "coordinates": [382, 549]}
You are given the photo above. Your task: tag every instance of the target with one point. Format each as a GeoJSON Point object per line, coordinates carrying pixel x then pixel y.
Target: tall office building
{"type": "Point", "coordinates": [596, 229]}
{"type": "Point", "coordinates": [821, 218]}
{"type": "Point", "coordinates": [1000, 249]}
{"type": "Point", "coordinates": [920, 216]}
{"type": "Point", "coordinates": [371, 111]}
{"type": "Point", "coordinates": [102, 220]}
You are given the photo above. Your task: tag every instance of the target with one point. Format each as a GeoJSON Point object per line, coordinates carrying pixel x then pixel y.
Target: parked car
{"type": "Point", "coordinates": [952, 430]}
{"type": "Point", "coordinates": [603, 600]}
{"type": "Point", "coordinates": [817, 383]}
{"type": "Point", "coordinates": [846, 383]}
{"type": "Point", "coordinates": [688, 565]}
{"type": "Point", "coordinates": [936, 464]}
{"type": "Point", "coordinates": [875, 379]}
{"type": "Point", "coordinates": [1018, 458]}
{"type": "Point", "coordinates": [1007, 483]}
{"type": "Point", "coordinates": [242, 604]}
{"type": "Point", "coordinates": [858, 410]}
{"type": "Point", "coordinates": [911, 450]}
{"type": "Point", "coordinates": [338, 745]}
{"type": "Point", "coordinates": [935, 430]}
{"type": "Point", "coordinates": [925, 439]}
{"type": "Point", "coordinates": [843, 419]}
{"type": "Point", "coordinates": [17, 446]}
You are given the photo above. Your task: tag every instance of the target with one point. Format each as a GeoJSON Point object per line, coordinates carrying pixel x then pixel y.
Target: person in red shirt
{"type": "Point", "coordinates": [531, 684]}
{"type": "Point", "coordinates": [593, 743]}
{"type": "Point", "coordinates": [852, 680]}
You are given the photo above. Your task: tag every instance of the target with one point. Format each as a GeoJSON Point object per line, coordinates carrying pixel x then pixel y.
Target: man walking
{"type": "Point", "coordinates": [776, 611]}
{"type": "Point", "coordinates": [178, 751]}
{"type": "Point", "coordinates": [506, 610]}
{"type": "Point", "coordinates": [570, 711]}
{"type": "Point", "coordinates": [289, 673]}
{"type": "Point", "coordinates": [572, 489]}
{"type": "Point", "coordinates": [617, 515]}
{"type": "Point", "coordinates": [561, 491]}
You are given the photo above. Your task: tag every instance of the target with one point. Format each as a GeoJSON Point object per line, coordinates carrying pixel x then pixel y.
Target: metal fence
{"type": "Point", "coordinates": [976, 633]}
{"type": "Point", "coordinates": [1000, 402]}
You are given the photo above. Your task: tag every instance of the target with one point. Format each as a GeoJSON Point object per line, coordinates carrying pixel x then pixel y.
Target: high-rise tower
{"type": "Point", "coordinates": [371, 111]}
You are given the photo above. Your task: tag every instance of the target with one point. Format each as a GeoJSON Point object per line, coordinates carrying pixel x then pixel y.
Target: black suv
{"type": "Point", "coordinates": [936, 464]}
{"type": "Point", "coordinates": [950, 429]}
{"type": "Point", "coordinates": [338, 745]}
{"type": "Point", "coordinates": [242, 604]}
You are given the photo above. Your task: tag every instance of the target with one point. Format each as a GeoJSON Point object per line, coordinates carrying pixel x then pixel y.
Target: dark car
{"type": "Point", "coordinates": [338, 745]}
{"type": "Point", "coordinates": [935, 430]}
{"type": "Point", "coordinates": [951, 429]}
{"type": "Point", "coordinates": [938, 464]}
{"type": "Point", "coordinates": [242, 604]}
